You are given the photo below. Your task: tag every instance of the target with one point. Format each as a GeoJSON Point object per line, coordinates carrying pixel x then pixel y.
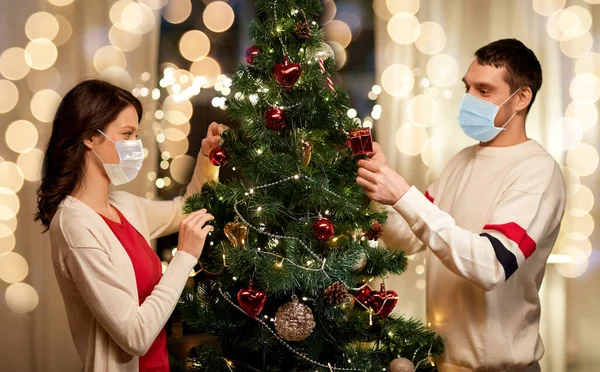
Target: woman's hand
{"type": "Point", "coordinates": [213, 136]}
{"type": "Point", "coordinates": [193, 232]}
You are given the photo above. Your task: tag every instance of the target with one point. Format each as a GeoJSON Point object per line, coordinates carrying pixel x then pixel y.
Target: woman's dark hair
{"type": "Point", "coordinates": [91, 105]}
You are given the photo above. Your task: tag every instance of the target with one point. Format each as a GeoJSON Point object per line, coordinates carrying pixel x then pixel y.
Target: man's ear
{"type": "Point", "coordinates": [525, 95]}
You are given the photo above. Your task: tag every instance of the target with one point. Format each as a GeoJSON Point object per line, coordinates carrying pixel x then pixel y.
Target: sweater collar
{"type": "Point", "coordinates": [116, 199]}
{"type": "Point", "coordinates": [526, 147]}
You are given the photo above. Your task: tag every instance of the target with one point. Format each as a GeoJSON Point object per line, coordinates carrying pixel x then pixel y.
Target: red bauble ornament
{"type": "Point", "coordinates": [252, 53]}
{"type": "Point", "coordinates": [252, 301]}
{"type": "Point", "coordinates": [287, 73]}
{"type": "Point", "coordinates": [218, 156]}
{"type": "Point", "coordinates": [382, 301]}
{"type": "Point", "coordinates": [275, 118]}
{"type": "Point", "coordinates": [323, 229]}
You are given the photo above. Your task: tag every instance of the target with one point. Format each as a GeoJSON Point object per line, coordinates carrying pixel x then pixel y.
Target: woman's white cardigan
{"type": "Point", "coordinates": [96, 278]}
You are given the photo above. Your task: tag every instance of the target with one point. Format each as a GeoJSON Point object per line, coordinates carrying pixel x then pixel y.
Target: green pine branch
{"type": "Point", "coordinates": [281, 254]}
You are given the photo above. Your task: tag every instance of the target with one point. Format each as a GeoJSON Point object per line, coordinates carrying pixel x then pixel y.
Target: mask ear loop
{"type": "Point", "coordinates": [515, 114]}
{"type": "Point", "coordinates": [506, 100]}
{"type": "Point", "coordinates": [95, 153]}
{"type": "Point", "coordinates": [111, 140]}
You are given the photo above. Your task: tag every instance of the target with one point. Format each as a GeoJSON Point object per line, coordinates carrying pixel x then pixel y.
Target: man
{"type": "Point", "coordinates": [490, 221]}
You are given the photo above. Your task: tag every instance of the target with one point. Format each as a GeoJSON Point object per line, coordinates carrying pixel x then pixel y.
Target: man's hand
{"type": "Point", "coordinates": [377, 155]}
{"type": "Point", "coordinates": [380, 182]}
{"type": "Point", "coordinates": [213, 136]}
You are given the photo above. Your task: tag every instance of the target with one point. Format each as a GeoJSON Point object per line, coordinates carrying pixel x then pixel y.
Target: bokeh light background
{"type": "Point", "coordinates": [401, 60]}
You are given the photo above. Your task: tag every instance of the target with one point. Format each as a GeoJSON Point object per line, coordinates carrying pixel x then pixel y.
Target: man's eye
{"type": "Point", "coordinates": [484, 92]}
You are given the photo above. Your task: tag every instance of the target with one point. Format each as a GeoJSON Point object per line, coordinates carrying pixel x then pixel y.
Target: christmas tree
{"type": "Point", "coordinates": [284, 278]}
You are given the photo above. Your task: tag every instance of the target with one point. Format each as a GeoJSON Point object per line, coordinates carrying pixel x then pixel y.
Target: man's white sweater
{"type": "Point", "coordinates": [490, 223]}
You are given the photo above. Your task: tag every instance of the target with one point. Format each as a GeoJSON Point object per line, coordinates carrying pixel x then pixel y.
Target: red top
{"type": "Point", "coordinates": [148, 271]}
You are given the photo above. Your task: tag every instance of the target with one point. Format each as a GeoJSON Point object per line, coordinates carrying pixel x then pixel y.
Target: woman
{"type": "Point", "coordinates": [117, 299]}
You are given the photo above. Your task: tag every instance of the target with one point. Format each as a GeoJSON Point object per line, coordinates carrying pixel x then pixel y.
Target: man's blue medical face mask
{"type": "Point", "coordinates": [476, 117]}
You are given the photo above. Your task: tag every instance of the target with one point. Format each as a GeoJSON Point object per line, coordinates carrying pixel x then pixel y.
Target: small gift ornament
{"type": "Point", "coordinates": [361, 141]}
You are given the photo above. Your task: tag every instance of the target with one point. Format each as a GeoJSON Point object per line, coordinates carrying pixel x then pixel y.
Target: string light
{"type": "Point", "coordinates": [278, 338]}
{"type": "Point", "coordinates": [283, 259]}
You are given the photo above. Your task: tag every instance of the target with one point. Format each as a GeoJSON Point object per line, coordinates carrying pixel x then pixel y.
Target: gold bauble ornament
{"type": "Point", "coordinates": [236, 232]}
{"type": "Point", "coordinates": [294, 321]}
{"type": "Point", "coordinates": [402, 365]}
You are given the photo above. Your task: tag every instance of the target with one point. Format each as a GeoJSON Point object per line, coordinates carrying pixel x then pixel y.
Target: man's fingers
{"type": "Point", "coordinates": [368, 175]}
{"type": "Point", "coordinates": [366, 185]}
{"type": "Point", "coordinates": [369, 165]}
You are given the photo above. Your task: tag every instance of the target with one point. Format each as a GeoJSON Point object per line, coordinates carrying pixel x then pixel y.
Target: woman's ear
{"type": "Point", "coordinates": [90, 141]}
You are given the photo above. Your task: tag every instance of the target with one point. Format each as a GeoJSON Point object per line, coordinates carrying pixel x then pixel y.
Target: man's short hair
{"type": "Point", "coordinates": [522, 66]}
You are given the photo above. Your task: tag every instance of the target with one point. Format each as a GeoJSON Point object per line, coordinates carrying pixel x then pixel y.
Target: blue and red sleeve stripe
{"type": "Point", "coordinates": [512, 245]}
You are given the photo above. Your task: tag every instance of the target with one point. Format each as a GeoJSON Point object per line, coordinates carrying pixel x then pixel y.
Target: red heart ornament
{"type": "Point", "coordinates": [252, 301]}
{"type": "Point", "coordinates": [364, 296]}
{"type": "Point", "coordinates": [382, 301]}
{"type": "Point", "coordinates": [287, 73]}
